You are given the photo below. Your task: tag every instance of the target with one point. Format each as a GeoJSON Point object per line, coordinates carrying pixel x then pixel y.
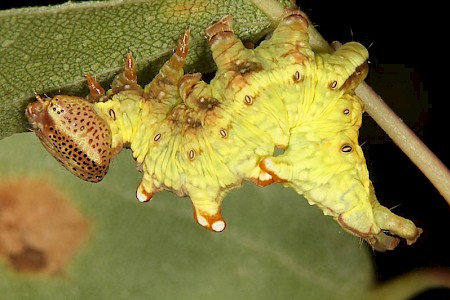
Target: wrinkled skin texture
{"type": "Point", "coordinates": [202, 140]}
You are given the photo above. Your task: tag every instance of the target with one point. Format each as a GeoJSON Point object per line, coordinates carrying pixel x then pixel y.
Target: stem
{"type": "Point", "coordinates": [402, 135]}
{"type": "Point", "coordinates": [406, 140]}
{"type": "Point", "coordinates": [272, 9]}
{"type": "Point", "coordinates": [408, 285]}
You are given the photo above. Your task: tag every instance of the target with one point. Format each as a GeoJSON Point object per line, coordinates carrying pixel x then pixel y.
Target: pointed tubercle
{"type": "Point", "coordinates": [130, 68]}
{"type": "Point", "coordinates": [220, 29]}
{"type": "Point", "coordinates": [96, 91]}
{"type": "Point", "coordinates": [179, 58]}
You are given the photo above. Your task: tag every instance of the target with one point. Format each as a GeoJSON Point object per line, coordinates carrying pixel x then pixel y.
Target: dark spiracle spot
{"type": "Point", "coordinates": [223, 133]}
{"type": "Point", "coordinates": [191, 154]}
{"type": "Point", "coordinates": [112, 114]}
{"type": "Point", "coordinates": [297, 76]}
{"type": "Point", "coordinates": [248, 100]}
{"type": "Point", "coordinates": [346, 148]}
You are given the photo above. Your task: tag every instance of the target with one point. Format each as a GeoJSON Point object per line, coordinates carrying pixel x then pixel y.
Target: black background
{"type": "Point", "coordinates": [398, 38]}
{"type": "Point", "coordinates": [401, 50]}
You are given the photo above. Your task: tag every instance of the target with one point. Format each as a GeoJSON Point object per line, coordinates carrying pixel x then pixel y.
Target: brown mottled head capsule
{"type": "Point", "coordinates": [70, 129]}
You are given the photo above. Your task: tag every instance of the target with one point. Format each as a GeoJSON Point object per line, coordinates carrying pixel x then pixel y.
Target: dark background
{"type": "Point", "coordinates": [400, 54]}
{"type": "Point", "coordinates": [399, 59]}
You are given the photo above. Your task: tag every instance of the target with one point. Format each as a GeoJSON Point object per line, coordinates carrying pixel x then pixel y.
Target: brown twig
{"type": "Point", "coordinates": [410, 284]}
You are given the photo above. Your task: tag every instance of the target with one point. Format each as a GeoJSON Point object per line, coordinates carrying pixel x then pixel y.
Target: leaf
{"type": "Point", "coordinates": [276, 246]}
{"type": "Point", "coordinates": [50, 49]}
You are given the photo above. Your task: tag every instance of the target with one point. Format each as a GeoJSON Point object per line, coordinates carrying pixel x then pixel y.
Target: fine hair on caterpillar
{"type": "Point", "coordinates": [201, 139]}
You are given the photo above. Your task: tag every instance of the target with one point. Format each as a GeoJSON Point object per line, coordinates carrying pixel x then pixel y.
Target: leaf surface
{"type": "Point", "coordinates": [50, 49]}
{"type": "Point", "coordinates": [275, 246]}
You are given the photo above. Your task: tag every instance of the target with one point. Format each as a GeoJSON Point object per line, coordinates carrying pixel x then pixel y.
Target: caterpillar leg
{"type": "Point", "coordinates": [207, 212]}
{"type": "Point", "coordinates": [146, 189]}
{"type": "Point", "coordinates": [212, 222]}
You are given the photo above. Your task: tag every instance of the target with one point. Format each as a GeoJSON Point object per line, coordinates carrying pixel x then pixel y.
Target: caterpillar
{"type": "Point", "coordinates": [202, 140]}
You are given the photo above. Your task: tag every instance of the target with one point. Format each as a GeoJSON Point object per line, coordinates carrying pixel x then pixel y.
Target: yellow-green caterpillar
{"type": "Point", "coordinates": [202, 140]}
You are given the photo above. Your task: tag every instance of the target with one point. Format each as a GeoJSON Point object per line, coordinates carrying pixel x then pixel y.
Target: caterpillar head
{"type": "Point", "coordinates": [71, 130]}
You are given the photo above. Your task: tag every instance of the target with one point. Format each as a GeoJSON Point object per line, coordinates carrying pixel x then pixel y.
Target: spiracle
{"type": "Point", "coordinates": [202, 140]}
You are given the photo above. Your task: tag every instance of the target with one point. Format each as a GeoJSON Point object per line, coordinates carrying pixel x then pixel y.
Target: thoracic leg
{"type": "Point", "coordinates": [207, 211]}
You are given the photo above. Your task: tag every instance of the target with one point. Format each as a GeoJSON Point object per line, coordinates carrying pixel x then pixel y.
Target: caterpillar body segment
{"type": "Point", "coordinates": [324, 161]}
{"type": "Point", "coordinates": [189, 138]}
{"type": "Point", "coordinates": [202, 140]}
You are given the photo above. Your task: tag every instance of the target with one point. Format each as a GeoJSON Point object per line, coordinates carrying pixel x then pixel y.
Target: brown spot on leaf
{"type": "Point", "coordinates": [28, 260]}
{"type": "Point", "coordinates": [40, 230]}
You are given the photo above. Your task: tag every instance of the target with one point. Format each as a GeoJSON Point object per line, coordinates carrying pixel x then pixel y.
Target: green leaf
{"type": "Point", "coordinates": [275, 246]}
{"type": "Point", "coordinates": [50, 49]}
